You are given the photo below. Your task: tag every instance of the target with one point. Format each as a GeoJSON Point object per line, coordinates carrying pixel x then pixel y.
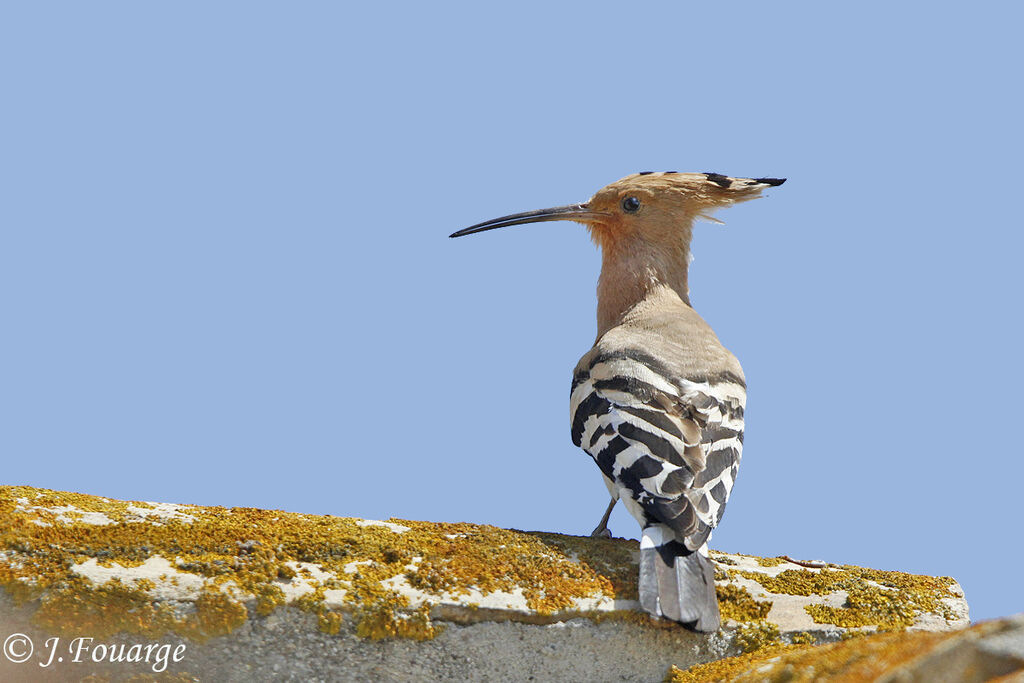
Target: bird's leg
{"type": "Point", "coordinates": [602, 528]}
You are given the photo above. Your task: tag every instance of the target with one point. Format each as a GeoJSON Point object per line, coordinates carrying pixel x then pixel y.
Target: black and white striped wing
{"type": "Point", "coordinates": [670, 446]}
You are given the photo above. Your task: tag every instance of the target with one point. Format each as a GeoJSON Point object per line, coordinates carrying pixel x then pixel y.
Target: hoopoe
{"type": "Point", "coordinates": [658, 401]}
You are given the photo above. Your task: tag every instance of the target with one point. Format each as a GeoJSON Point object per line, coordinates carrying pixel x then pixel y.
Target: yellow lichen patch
{"type": "Point", "coordinates": [757, 636]}
{"type": "Point", "coordinates": [770, 561]}
{"type": "Point", "coordinates": [868, 605]}
{"type": "Point", "coordinates": [854, 633]}
{"type": "Point", "coordinates": [736, 603]}
{"type": "Point", "coordinates": [802, 638]}
{"type": "Point", "coordinates": [268, 598]}
{"type": "Point", "coordinates": [162, 677]}
{"type": "Point", "coordinates": [799, 581]}
{"type": "Point", "coordinates": [330, 622]}
{"type": "Point", "coordinates": [862, 659]}
{"type": "Point", "coordinates": [43, 502]}
{"type": "Point", "coordinates": [249, 559]}
{"type": "Point", "coordinates": [102, 611]}
{"type": "Point", "coordinates": [386, 619]}
{"type": "Point", "coordinates": [885, 599]}
{"type": "Point", "coordinates": [611, 559]}
{"type": "Point", "coordinates": [113, 608]}
{"type": "Point", "coordinates": [216, 615]}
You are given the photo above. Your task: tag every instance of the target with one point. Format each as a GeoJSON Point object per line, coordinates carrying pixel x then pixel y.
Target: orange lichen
{"type": "Point", "coordinates": [798, 581]}
{"type": "Point", "coordinates": [216, 615]}
{"type": "Point", "coordinates": [851, 661]}
{"type": "Point", "coordinates": [268, 598]}
{"type": "Point", "coordinates": [770, 561]}
{"type": "Point", "coordinates": [246, 557]}
{"type": "Point", "coordinates": [736, 603]}
{"type": "Point", "coordinates": [758, 635]}
{"type": "Point", "coordinates": [330, 622]}
{"type": "Point", "coordinates": [162, 677]}
{"type": "Point", "coordinates": [386, 618]}
{"type": "Point", "coordinates": [887, 600]}
{"type": "Point", "coordinates": [101, 611]}
{"type": "Point", "coordinates": [252, 561]}
{"type": "Point", "coordinates": [113, 608]}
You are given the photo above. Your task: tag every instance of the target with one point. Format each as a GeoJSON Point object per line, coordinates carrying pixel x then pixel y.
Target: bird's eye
{"type": "Point", "coordinates": [630, 204]}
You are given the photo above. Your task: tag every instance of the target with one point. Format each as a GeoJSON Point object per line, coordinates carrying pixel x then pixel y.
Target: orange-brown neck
{"type": "Point", "coordinates": [633, 268]}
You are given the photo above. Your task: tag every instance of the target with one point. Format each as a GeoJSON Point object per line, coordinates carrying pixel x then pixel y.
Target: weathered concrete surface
{"type": "Point", "coordinates": [989, 651]}
{"type": "Point", "coordinates": [269, 595]}
{"type": "Point", "coordinates": [288, 646]}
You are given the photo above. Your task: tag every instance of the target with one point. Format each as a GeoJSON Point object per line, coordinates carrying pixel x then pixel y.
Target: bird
{"type": "Point", "coordinates": [658, 401]}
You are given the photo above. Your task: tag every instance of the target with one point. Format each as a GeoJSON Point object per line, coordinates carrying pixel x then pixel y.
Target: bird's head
{"type": "Point", "coordinates": [658, 208]}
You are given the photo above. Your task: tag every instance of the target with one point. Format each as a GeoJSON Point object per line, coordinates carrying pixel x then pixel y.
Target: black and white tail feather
{"type": "Point", "coordinates": [669, 447]}
{"type": "Point", "coordinates": [677, 583]}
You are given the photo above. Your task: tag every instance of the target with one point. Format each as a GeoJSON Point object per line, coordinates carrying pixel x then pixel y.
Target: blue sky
{"type": "Point", "coordinates": [225, 276]}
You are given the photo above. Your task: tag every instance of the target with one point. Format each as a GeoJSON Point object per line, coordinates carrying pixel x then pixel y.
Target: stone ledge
{"type": "Point", "coordinates": [993, 650]}
{"type": "Point", "coordinates": [353, 595]}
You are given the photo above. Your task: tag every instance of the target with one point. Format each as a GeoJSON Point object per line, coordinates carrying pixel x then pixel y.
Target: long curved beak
{"type": "Point", "coordinates": [571, 212]}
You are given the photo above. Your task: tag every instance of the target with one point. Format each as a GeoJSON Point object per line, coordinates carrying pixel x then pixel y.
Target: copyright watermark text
{"type": "Point", "coordinates": [19, 648]}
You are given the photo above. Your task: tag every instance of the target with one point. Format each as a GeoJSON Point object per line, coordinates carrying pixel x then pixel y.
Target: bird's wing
{"type": "Point", "coordinates": [672, 444]}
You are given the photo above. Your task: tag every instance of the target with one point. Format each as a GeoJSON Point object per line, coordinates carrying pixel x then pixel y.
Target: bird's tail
{"type": "Point", "coordinates": [677, 583]}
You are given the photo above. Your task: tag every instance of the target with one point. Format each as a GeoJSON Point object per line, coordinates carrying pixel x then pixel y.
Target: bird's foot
{"type": "Point", "coordinates": [601, 532]}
